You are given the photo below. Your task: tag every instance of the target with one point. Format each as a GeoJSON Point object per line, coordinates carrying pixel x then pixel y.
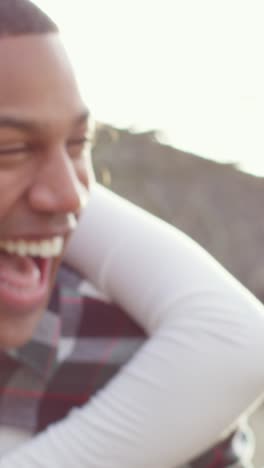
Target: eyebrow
{"type": "Point", "coordinates": [31, 125]}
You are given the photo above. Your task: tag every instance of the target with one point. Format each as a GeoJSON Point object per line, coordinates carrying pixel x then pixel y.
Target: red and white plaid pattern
{"type": "Point", "coordinates": [81, 342]}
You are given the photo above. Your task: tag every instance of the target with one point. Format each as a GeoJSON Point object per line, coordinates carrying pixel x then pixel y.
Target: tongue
{"type": "Point", "coordinates": [20, 272]}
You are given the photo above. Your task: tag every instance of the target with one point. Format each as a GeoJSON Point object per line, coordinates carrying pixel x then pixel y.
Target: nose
{"type": "Point", "coordinates": [56, 188]}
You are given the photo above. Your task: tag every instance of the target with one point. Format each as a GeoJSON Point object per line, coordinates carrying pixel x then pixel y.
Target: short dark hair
{"type": "Point", "coordinates": [19, 17]}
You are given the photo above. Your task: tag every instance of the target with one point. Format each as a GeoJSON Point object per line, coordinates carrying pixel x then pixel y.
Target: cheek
{"type": "Point", "coordinates": [84, 171]}
{"type": "Point", "coordinates": [91, 173]}
{"type": "Point", "coordinates": [13, 185]}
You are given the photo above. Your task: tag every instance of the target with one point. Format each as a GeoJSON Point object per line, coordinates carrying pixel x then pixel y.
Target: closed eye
{"type": "Point", "coordinates": [13, 150]}
{"type": "Point", "coordinates": [76, 146]}
{"type": "Point", "coordinates": [14, 153]}
{"type": "Point", "coordinates": [79, 141]}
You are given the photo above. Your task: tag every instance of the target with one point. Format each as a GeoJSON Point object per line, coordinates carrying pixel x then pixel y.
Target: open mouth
{"type": "Point", "coordinates": [25, 270]}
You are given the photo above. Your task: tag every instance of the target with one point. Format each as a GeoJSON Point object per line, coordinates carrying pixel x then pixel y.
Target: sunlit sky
{"type": "Point", "coordinates": [190, 68]}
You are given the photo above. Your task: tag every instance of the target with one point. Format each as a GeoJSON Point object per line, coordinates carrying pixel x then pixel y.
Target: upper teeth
{"type": "Point", "coordinates": [45, 248]}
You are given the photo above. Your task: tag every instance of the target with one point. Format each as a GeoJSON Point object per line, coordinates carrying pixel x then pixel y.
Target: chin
{"type": "Point", "coordinates": [18, 331]}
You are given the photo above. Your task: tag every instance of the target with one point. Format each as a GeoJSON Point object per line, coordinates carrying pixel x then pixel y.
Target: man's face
{"type": "Point", "coordinates": [43, 175]}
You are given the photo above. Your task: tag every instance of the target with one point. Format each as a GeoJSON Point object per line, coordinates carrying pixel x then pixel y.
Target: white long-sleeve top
{"type": "Point", "coordinates": [199, 370]}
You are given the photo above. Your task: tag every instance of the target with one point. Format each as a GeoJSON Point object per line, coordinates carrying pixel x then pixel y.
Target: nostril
{"type": "Point", "coordinates": [57, 187]}
{"type": "Point", "coordinates": [41, 196]}
{"type": "Point", "coordinates": [58, 198]}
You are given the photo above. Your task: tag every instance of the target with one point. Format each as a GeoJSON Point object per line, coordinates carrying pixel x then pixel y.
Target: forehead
{"type": "Point", "coordinates": [37, 81]}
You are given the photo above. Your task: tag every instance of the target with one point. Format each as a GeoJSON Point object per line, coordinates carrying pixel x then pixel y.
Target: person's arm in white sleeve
{"type": "Point", "coordinates": [198, 371]}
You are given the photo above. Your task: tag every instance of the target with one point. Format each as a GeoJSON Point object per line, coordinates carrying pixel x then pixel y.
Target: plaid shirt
{"type": "Point", "coordinates": [81, 342]}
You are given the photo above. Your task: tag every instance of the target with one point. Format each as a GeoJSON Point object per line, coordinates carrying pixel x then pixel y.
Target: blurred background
{"type": "Point", "coordinates": [177, 89]}
{"type": "Point", "coordinates": [189, 68]}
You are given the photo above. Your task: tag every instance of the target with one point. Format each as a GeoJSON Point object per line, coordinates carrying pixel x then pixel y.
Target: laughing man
{"type": "Point", "coordinates": [61, 339]}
